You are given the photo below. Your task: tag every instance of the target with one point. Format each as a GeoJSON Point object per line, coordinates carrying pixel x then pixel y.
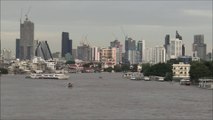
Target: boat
{"type": "Point", "coordinates": [146, 78]}
{"type": "Point", "coordinates": [185, 82]}
{"type": "Point", "coordinates": [48, 76]}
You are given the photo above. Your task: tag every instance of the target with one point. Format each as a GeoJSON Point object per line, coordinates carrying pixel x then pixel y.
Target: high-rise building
{"type": "Point", "coordinates": [26, 49]}
{"type": "Point", "coordinates": [149, 55]}
{"type": "Point", "coordinates": [167, 41]}
{"type": "Point", "coordinates": [183, 50]}
{"type": "Point", "coordinates": [199, 47]}
{"type": "Point", "coordinates": [130, 49]}
{"type": "Point", "coordinates": [119, 47]}
{"type": "Point", "coordinates": [159, 54]}
{"type": "Point", "coordinates": [66, 46]}
{"type": "Point", "coordinates": [108, 57]}
{"type": "Point", "coordinates": [43, 50]}
{"type": "Point", "coordinates": [141, 50]}
{"type": "Point", "coordinates": [175, 48]}
{"type": "Point", "coordinates": [17, 48]}
{"type": "Point", "coordinates": [95, 54]}
{"type": "Point", "coordinates": [84, 52]}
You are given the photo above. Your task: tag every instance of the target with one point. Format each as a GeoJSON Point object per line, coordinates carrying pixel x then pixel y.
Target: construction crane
{"type": "Point", "coordinates": [125, 35]}
{"type": "Point", "coordinates": [28, 11]}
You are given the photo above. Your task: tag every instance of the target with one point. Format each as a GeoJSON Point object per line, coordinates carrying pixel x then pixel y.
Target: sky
{"type": "Point", "coordinates": [100, 22]}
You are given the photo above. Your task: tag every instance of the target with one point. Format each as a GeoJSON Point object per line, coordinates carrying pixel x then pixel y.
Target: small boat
{"type": "Point", "coordinates": [48, 76]}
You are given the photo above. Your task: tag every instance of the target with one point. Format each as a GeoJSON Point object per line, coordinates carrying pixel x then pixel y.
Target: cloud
{"type": "Point", "coordinates": [198, 13]}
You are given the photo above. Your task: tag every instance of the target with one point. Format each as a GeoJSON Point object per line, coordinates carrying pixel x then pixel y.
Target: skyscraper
{"type": "Point", "coordinates": [118, 47]}
{"type": "Point", "coordinates": [26, 49]}
{"type": "Point", "coordinates": [66, 46]}
{"type": "Point", "coordinates": [17, 48]}
{"type": "Point", "coordinates": [141, 50]}
{"type": "Point", "coordinates": [84, 52]}
{"type": "Point", "coordinates": [130, 50]}
{"type": "Point", "coordinates": [199, 47]}
{"type": "Point", "coordinates": [95, 54]}
{"type": "Point", "coordinates": [159, 55]}
{"type": "Point", "coordinates": [167, 41]}
{"type": "Point", "coordinates": [175, 48]}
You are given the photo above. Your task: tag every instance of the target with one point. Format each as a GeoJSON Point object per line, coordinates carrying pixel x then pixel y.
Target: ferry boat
{"type": "Point", "coordinates": [48, 76]}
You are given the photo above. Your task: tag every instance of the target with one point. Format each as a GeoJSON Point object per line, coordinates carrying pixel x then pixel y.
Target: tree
{"type": "Point", "coordinates": [70, 62]}
{"type": "Point", "coordinates": [117, 68]}
{"type": "Point", "coordinates": [125, 67]}
{"type": "Point", "coordinates": [199, 70]}
{"type": "Point", "coordinates": [3, 71]}
{"type": "Point", "coordinates": [145, 67]}
{"type": "Point", "coordinates": [160, 69]}
{"type": "Point", "coordinates": [109, 69]}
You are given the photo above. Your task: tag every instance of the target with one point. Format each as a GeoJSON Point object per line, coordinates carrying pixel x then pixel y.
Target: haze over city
{"type": "Point", "coordinates": [103, 21]}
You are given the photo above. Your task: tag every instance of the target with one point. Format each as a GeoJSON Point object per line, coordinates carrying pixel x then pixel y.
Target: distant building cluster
{"type": "Point", "coordinates": [135, 52]}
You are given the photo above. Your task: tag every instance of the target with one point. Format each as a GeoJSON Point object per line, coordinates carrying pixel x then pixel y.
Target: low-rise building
{"type": "Point", "coordinates": [181, 70]}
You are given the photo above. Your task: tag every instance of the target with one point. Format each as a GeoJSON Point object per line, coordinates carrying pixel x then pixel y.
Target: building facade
{"type": "Point", "coordinates": [181, 70]}
{"type": "Point", "coordinates": [26, 44]}
{"type": "Point", "coordinates": [84, 52]}
{"type": "Point", "coordinates": [199, 47]}
{"type": "Point", "coordinates": [175, 48]}
{"type": "Point", "coordinates": [66, 46]}
{"type": "Point", "coordinates": [159, 54]}
{"type": "Point", "coordinates": [119, 50]}
{"type": "Point", "coordinates": [108, 57]}
{"type": "Point", "coordinates": [95, 54]}
{"type": "Point", "coordinates": [141, 50]}
{"type": "Point", "coordinates": [130, 50]}
{"type": "Point", "coordinates": [43, 50]}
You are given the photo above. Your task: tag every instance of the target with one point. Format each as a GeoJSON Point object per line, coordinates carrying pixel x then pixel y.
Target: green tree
{"type": "Point", "coordinates": [145, 67]}
{"type": "Point", "coordinates": [199, 70]}
{"type": "Point", "coordinates": [160, 69]}
{"type": "Point", "coordinates": [125, 67]}
{"type": "Point", "coordinates": [117, 68]}
{"type": "Point", "coordinates": [70, 62]}
{"type": "Point", "coordinates": [109, 69]}
{"type": "Point", "coordinates": [3, 71]}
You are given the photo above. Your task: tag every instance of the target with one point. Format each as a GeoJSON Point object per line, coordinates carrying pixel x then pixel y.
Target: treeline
{"type": "Point", "coordinates": [198, 69]}
{"type": "Point", "coordinates": [160, 69]}
{"type": "Point", "coordinates": [202, 69]}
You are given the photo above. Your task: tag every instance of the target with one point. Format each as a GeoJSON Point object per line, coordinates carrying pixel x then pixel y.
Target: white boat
{"type": "Point", "coordinates": [48, 76]}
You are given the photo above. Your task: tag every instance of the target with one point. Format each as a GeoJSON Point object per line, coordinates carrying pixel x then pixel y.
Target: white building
{"type": "Point", "coordinates": [175, 49]}
{"type": "Point", "coordinates": [181, 70]}
{"type": "Point", "coordinates": [132, 56]}
{"type": "Point", "coordinates": [108, 57]}
{"type": "Point", "coordinates": [159, 54]}
{"type": "Point", "coordinates": [95, 55]}
{"type": "Point", "coordinates": [149, 55]}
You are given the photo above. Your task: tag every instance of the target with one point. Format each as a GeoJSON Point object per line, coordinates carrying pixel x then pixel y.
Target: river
{"type": "Point", "coordinates": [101, 96]}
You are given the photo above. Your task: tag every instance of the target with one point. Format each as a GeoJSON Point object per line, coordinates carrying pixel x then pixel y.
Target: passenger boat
{"type": "Point", "coordinates": [48, 76]}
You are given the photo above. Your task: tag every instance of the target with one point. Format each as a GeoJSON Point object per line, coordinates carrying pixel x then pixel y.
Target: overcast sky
{"type": "Point", "coordinates": [103, 21]}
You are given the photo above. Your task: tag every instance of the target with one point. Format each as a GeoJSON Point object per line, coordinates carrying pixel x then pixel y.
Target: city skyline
{"type": "Point", "coordinates": [103, 22]}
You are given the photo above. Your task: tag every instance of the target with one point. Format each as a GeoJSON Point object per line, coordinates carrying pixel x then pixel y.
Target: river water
{"type": "Point", "coordinates": [101, 96]}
